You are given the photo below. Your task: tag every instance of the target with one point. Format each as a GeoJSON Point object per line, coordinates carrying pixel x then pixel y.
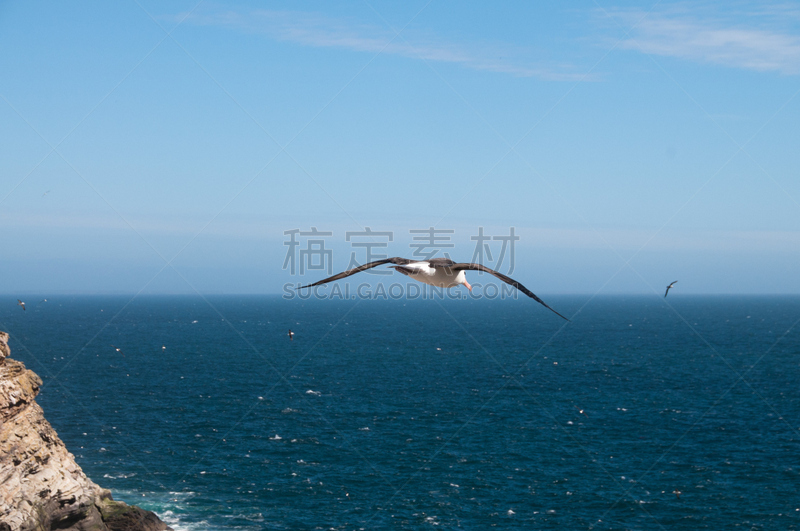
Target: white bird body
{"type": "Point", "coordinates": [440, 277]}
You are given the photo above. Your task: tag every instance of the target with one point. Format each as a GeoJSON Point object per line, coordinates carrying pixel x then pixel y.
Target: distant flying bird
{"type": "Point", "coordinates": [581, 412]}
{"type": "Point", "coordinates": [665, 293]}
{"type": "Point", "coordinates": [119, 350]}
{"type": "Point", "coordinates": [20, 303]}
{"type": "Point", "coordinates": [47, 192]}
{"type": "Point", "coordinates": [291, 335]}
{"type": "Point", "coordinates": [439, 272]}
{"type": "Point", "coordinates": [677, 493]}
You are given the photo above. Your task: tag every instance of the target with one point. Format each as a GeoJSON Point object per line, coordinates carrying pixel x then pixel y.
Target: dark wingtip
{"type": "Point", "coordinates": [540, 301]}
{"type": "Point", "coordinates": [558, 314]}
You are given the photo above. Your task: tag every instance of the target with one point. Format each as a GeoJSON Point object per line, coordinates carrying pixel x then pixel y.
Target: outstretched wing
{"type": "Point", "coordinates": [394, 260]}
{"type": "Point", "coordinates": [507, 280]}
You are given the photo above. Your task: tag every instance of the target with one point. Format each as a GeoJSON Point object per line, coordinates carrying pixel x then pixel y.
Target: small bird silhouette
{"type": "Point", "coordinates": [119, 350]}
{"type": "Point", "coordinates": [581, 412]}
{"type": "Point", "coordinates": [291, 335]}
{"type": "Point", "coordinates": [20, 303]}
{"type": "Point", "coordinates": [665, 293]}
{"type": "Point", "coordinates": [677, 493]}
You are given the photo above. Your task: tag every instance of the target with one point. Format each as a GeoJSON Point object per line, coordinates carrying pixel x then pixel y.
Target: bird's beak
{"type": "Point", "coordinates": [467, 285]}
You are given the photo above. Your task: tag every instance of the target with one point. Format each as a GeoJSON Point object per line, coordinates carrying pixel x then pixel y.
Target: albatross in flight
{"type": "Point", "coordinates": [438, 272]}
{"type": "Point", "coordinates": [665, 293]}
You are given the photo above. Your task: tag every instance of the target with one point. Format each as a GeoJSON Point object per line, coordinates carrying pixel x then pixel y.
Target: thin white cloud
{"type": "Point", "coordinates": [622, 240]}
{"type": "Point", "coordinates": [701, 241]}
{"type": "Point", "coordinates": [315, 30]}
{"type": "Point", "coordinates": [755, 41]}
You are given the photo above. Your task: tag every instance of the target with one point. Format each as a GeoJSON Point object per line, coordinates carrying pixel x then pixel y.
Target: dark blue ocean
{"type": "Point", "coordinates": [426, 413]}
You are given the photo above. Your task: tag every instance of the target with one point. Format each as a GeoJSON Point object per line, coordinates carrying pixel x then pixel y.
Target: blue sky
{"type": "Point", "coordinates": [166, 147]}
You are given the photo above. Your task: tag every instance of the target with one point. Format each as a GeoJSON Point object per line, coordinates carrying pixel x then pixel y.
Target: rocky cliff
{"type": "Point", "coordinates": [41, 486]}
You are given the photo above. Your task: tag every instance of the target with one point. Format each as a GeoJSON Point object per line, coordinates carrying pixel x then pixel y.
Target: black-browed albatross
{"type": "Point", "coordinates": [665, 293]}
{"type": "Point", "coordinates": [438, 272]}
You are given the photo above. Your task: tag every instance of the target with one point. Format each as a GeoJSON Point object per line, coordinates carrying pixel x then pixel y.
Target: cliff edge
{"type": "Point", "coordinates": [42, 488]}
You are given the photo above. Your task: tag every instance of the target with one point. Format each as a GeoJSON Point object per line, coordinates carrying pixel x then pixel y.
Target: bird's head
{"type": "Point", "coordinates": [461, 278]}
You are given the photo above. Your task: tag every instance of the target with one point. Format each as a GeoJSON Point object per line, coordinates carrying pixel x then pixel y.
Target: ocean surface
{"type": "Point", "coordinates": [642, 413]}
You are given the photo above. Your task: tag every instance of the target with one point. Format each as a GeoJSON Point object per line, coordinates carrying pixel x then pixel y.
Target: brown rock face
{"type": "Point", "coordinates": [4, 352]}
{"type": "Point", "coordinates": [41, 486]}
